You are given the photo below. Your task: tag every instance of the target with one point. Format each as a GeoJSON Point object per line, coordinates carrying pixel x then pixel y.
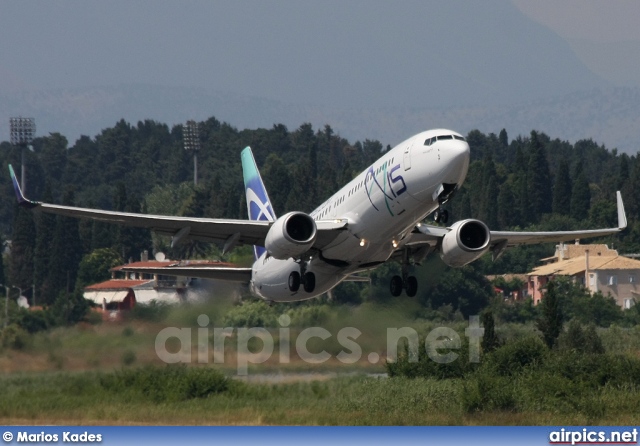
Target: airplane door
{"type": "Point", "coordinates": [407, 157]}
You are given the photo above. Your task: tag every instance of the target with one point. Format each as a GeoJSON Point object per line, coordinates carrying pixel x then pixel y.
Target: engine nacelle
{"type": "Point", "coordinates": [467, 241]}
{"type": "Point", "coordinates": [291, 235]}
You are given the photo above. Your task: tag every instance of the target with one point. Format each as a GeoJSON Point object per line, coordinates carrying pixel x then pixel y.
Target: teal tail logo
{"type": "Point", "coordinates": [258, 203]}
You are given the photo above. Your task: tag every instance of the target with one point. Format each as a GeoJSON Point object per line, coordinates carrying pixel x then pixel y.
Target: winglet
{"type": "Point", "coordinates": [622, 216]}
{"type": "Point", "coordinates": [22, 201]}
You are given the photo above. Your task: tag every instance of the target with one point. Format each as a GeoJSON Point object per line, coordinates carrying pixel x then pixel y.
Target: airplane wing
{"type": "Point", "coordinates": [500, 240]}
{"type": "Point", "coordinates": [227, 273]}
{"type": "Point", "coordinates": [229, 232]}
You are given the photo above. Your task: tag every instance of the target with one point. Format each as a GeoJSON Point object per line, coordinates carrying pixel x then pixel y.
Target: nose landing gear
{"type": "Point", "coordinates": [441, 216]}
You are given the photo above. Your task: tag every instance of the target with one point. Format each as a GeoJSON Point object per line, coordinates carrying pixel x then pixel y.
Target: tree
{"type": "Point", "coordinates": [562, 190]}
{"type": "Point", "coordinates": [503, 138]}
{"type": "Point", "coordinates": [466, 289]}
{"type": "Point", "coordinates": [580, 196]}
{"type": "Point", "coordinates": [551, 320]}
{"type": "Point", "coordinates": [66, 250]}
{"type": "Point", "coordinates": [538, 179]}
{"type": "Point", "coordinates": [491, 204]}
{"type": "Point", "coordinates": [95, 266]}
{"type": "Point", "coordinates": [45, 229]}
{"type": "Point", "coordinates": [489, 193]}
{"type": "Point", "coordinates": [490, 339]}
{"type": "Point", "coordinates": [23, 242]}
{"type": "Point", "coordinates": [508, 210]}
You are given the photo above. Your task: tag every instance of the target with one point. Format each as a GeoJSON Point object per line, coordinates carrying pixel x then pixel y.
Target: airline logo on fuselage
{"type": "Point", "coordinates": [392, 186]}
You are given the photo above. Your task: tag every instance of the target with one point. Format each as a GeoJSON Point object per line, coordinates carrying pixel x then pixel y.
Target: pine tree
{"type": "Point", "coordinates": [562, 190]}
{"type": "Point", "coordinates": [66, 253]}
{"type": "Point", "coordinates": [490, 339]}
{"type": "Point", "coordinates": [538, 179]}
{"type": "Point", "coordinates": [491, 204]}
{"type": "Point", "coordinates": [503, 138]}
{"type": "Point", "coordinates": [508, 211]}
{"type": "Point", "coordinates": [45, 228]}
{"type": "Point", "coordinates": [580, 196]}
{"type": "Point", "coordinates": [551, 320]}
{"type": "Point", "coordinates": [23, 242]}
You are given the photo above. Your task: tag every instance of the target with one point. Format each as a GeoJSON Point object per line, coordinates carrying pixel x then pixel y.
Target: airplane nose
{"type": "Point", "coordinates": [459, 154]}
{"type": "Point", "coordinates": [461, 150]}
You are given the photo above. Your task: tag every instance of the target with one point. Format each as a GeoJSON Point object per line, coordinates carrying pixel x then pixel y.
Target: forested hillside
{"type": "Point", "coordinates": [529, 181]}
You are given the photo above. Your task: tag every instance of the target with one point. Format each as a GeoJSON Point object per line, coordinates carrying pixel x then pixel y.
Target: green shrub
{"type": "Point", "coordinates": [170, 383]}
{"type": "Point", "coordinates": [128, 357]}
{"type": "Point", "coordinates": [309, 316]}
{"type": "Point", "coordinates": [584, 340]}
{"type": "Point", "coordinates": [14, 337]}
{"type": "Point", "coordinates": [513, 357]}
{"type": "Point", "coordinates": [488, 392]}
{"type": "Point", "coordinates": [251, 314]}
{"type": "Point", "coordinates": [154, 311]}
{"type": "Point", "coordinates": [32, 321]}
{"type": "Point", "coordinates": [425, 367]}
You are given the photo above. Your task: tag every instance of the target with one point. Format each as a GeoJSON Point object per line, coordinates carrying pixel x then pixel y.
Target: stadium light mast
{"type": "Point", "coordinates": [22, 133]}
{"type": "Point", "coordinates": [191, 138]}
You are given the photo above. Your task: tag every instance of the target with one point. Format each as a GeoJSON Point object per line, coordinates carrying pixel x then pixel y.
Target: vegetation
{"type": "Point", "coordinates": [572, 360]}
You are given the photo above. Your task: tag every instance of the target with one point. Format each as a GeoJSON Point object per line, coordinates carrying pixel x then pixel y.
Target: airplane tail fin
{"type": "Point", "coordinates": [258, 203]}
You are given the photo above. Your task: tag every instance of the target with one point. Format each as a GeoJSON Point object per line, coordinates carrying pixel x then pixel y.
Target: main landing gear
{"type": "Point", "coordinates": [406, 282]}
{"type": "Point", "coordinates": [307, 279]}
{"type": "Point", "coordinates": [409, 284]}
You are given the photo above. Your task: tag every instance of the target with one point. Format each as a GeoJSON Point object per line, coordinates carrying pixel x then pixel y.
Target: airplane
{"type": "Point", "coordinates": [377, 217]}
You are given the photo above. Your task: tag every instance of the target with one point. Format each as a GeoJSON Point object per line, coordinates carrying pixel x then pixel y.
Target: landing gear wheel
{"type": "Point", "coordinates": [396, 286]}
{"type": "Point", "coordinates": [441, 216]}
{"type": "Point", "coordinates": [411, 286]}
{"type": "Point", "coordinates": [294, 281]}
{"type": "Point", "coordinates": [309, 282]}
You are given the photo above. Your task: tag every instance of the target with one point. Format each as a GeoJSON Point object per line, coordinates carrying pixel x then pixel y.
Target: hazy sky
{"type": "Point", "coordinates": [604, 34]}
{"type": "Point", "coordinates": [597, 20]}
{"type": "Point", "coordinates": [412, 54]}
{"type": "Point", "coordinates": [88, 42]}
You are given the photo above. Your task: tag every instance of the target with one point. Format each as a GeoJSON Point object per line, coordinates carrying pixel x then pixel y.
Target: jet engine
{"type": "Point", "coordinates": [467, 241]}
{"type": "Point", "coordinates": [291, 235]}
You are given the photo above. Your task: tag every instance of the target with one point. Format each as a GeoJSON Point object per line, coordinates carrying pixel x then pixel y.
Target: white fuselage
{"type": "Point", "coordinates": [382, 205]}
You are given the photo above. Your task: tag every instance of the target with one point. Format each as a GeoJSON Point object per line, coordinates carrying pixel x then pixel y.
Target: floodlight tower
{"type": "Point", "coordinates": [22, 132]}
{"type": "Point", "coordinates": [191, 138]}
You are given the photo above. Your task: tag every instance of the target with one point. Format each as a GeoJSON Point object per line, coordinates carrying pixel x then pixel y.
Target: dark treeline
{"type": "Point", "coordinates": [528, 182]}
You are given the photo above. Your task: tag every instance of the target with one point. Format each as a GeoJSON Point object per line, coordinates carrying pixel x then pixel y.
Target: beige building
{"type": "Point", "coordinates": [595, 266]}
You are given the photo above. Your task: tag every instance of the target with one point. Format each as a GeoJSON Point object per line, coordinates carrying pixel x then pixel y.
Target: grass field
{"type": "Point", "coordinates": [110, 374]}
{"type": "Point", "coordinates": [81, 398]}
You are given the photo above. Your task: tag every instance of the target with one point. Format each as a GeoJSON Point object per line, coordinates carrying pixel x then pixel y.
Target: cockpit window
{"type": "Point", "coordinates": [430, 141]}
